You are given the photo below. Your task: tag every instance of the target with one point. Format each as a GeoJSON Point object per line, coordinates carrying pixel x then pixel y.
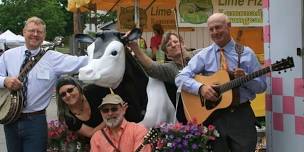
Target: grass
{"type": "Point", "coordinates": [64, 49]}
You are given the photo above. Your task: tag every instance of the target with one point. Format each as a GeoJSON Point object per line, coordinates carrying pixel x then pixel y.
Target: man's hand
{"type": "Point", "coordinates": [238, 72]}
{"type": "Point", "coordinates": [12, 83]}
{"type": "Point", "coordinates": [209, 93]}
{"type": "Point", "coordinates": [134, 47]}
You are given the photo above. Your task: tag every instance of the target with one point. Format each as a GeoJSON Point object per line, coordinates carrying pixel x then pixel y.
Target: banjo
{"type": "Point", "coordinates": [11, 102]}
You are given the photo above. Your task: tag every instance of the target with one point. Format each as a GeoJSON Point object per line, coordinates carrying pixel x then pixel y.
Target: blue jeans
{"type": "Point", "coordinates": [27, 134]}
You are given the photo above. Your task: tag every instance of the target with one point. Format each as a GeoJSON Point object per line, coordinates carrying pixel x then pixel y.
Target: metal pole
{"type": "Point", "coordinates": [302, 51]}
{"type": "Point", "coordinates": [136, 12]}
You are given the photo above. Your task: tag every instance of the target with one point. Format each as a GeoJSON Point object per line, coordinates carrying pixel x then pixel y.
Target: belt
{"type": "Point", "coordinates": [32, 113]}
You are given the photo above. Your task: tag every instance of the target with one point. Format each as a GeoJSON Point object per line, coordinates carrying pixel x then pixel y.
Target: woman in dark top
{"type": "Point", "coordinates": [78, 107]}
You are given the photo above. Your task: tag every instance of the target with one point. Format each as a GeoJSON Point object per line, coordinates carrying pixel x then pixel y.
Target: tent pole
{"type": "Point", "coordinates": [136, 12]}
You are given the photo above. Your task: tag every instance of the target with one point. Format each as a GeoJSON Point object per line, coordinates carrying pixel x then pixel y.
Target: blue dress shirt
{"type": "Point", "coordinates": [207, 62]}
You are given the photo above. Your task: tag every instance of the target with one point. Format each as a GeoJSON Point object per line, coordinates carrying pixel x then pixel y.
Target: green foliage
{"type": "Point", "coordinates": [104, 18]}
{"type": "Point", "coordinates": [14, 13]}
{"type": "Point", "coordinates": [100, 18]}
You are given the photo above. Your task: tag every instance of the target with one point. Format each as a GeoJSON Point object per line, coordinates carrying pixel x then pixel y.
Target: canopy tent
{"type": "Point", "coordinates": [86, 5]}
{"type": "Point", "coordinates": [9, 36]}
{"type": "Point", "coordinates": [145, 12]}
{"type": "Point", "coordinates": [10, 39]}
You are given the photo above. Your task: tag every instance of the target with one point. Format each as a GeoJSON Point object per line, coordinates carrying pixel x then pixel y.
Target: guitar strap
{"type": "Point", "coordinates": [109, 140]}
{"type": "Point", "coordinates": [239, 48]}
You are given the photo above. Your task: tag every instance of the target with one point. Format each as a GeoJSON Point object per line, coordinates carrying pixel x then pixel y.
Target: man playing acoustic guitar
{"type": "Point", "coordinates": [234, 119]}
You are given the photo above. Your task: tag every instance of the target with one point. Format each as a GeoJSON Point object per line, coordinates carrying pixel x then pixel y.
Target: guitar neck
{"type": "Point", "coordinates": [139, 148]}
{"type": "Point", "coordinates": [239, 81]}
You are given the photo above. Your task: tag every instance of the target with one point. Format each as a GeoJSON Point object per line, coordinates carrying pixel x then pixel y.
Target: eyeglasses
{"type": "Point", "coordinates": [106, 110]}
{"type": "Point", "coordinates": [69, 90]}
{"type": "Point", "coordinates": [33, 31]}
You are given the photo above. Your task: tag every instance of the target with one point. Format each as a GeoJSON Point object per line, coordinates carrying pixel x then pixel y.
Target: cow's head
{"type": "Point", "coordinates": [106, 65]}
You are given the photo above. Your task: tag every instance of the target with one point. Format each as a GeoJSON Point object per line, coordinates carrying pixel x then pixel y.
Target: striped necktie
{"type": "Point", "coordinates": [223, 61]}
{"type": "Point", "coordinates": [24, 87]}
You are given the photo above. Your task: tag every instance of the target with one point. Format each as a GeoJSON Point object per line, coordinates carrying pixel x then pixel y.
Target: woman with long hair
{"type": "Point", "coordinates": [77, 107]}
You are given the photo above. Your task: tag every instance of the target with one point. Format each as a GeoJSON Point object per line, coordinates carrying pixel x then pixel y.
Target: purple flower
{"type": "Point", "coordinates": [185, 142]}
{"type": "Point", "coordinates": [178, 140]}
{"type": "Point", "coordinates": [185, 138]}
{"type": "Point", "coordinates": [194, 146]}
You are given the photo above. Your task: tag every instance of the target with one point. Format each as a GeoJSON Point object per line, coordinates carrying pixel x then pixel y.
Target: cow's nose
{"type": "Point", "coordinates": [86, 73]}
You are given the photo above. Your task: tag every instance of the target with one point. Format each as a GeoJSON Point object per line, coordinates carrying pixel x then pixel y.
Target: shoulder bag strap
{"type": "Point", "coordinates": [109, 140]}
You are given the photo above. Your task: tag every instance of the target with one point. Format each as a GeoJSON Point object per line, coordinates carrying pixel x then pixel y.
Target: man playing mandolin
{"type": "Point", "coordinates": [236, 121]}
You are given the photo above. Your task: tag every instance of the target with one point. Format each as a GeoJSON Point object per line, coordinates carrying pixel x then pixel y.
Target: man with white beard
{"type": "Point", "coordinates": [119, 134]}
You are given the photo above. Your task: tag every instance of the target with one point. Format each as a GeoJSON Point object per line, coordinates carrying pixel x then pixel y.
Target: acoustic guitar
{"type": "Point", "coordinates": [200, 109]}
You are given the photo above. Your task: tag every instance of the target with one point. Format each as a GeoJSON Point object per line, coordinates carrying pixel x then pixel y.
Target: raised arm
{"type": "Point", "coordinates": [145, 60]}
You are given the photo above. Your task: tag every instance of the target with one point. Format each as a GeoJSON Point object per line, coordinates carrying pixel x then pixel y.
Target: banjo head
{"type": "Point", "coordinates": [10, 106]}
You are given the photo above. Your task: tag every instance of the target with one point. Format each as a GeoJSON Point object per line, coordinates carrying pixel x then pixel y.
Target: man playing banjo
{"type": "Point", "coordinates": [27, 131]}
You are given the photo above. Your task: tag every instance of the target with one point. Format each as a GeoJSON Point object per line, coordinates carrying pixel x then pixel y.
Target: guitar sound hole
{"type": "Point", "coordinates": [212, 104]}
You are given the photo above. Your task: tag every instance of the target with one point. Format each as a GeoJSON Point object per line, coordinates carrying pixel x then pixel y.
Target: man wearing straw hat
{"type": "Point", "coordinates": [119, 134]}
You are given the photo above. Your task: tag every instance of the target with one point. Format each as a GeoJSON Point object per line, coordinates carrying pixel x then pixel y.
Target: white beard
{"type": "Point", "coordinates": [113, 122]}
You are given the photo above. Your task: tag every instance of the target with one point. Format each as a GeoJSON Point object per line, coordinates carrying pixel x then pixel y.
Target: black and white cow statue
{"type": "Point", "coordinates": [111, 65]}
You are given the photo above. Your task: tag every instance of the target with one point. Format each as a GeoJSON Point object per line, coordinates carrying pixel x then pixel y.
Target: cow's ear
{"type": "Point", "coordinates": [132, 35]}
{"type": "Point", "coordinates": [84, 38]}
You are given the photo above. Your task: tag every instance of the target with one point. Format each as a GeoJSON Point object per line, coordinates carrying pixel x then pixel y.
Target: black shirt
{"type": "Point", "coordinates": [94, 95]}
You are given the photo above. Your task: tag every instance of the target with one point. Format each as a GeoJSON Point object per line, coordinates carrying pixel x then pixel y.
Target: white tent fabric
{"type": "Point", "coordinates": [11, 40]}
{"type": "Point", "coordinates": [20, 38]}
{"type": "Point", "coordinates": [9, 36]}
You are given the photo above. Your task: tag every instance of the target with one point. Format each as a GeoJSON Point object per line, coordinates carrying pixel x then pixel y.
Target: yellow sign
{"type": "Point", "coordinates": [147, 17]}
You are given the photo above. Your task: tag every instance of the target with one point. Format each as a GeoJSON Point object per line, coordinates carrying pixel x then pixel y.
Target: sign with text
{"type": "Point", "coordinates": [194, 13]}
{"type": "Point", "coordinates": [147, 17]}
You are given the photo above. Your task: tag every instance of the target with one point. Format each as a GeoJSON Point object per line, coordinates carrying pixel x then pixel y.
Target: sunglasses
{"type": "Point", "coordinates": [106, 110]}
{"type": "Point", "coordinates": [69, 90]}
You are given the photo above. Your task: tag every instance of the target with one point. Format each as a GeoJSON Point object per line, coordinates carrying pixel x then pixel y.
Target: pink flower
{"type": "Point", "coordinates": [211, 127]}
